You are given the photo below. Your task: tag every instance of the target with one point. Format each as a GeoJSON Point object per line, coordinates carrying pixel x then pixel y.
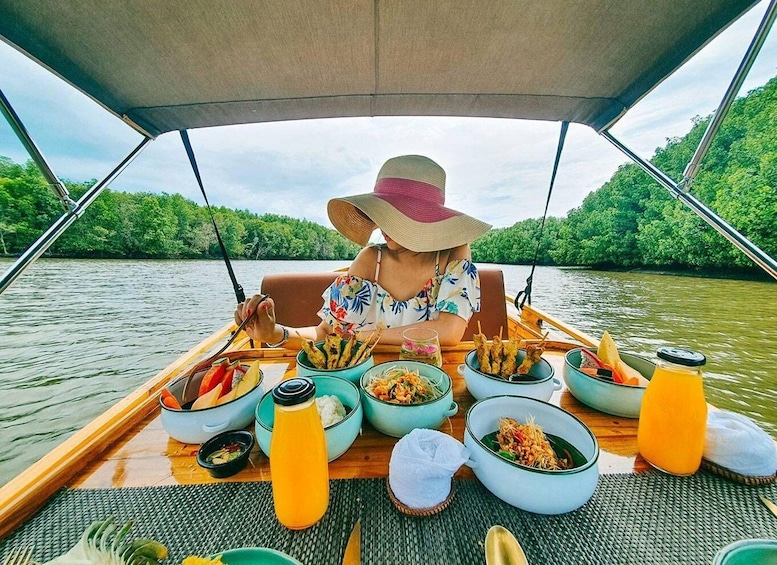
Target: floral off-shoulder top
{"type": "Point", "coordinates": [354, 303]}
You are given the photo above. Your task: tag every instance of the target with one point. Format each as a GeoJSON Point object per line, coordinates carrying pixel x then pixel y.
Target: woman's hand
{"type": "Point", "coordinates": [262, 325]}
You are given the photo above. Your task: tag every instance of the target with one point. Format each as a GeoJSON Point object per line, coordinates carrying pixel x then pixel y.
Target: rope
{"type": "Point", "coordinates": [525, 294]}
{"type": "Point", "coordinates": [239, 294]}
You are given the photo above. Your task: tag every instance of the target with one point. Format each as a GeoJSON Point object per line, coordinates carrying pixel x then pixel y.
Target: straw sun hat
{"type": "Point", "coordinates": [407, 204]}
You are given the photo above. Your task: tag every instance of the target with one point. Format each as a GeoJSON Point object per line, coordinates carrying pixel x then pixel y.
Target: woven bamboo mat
{"type": "Point", "coordinates": [645, 518]}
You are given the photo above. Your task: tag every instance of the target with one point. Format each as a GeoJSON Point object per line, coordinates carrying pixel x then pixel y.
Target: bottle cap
{"type": "Point", "coordinates": [681, 356]}
{"type": "Point", "coordinates": [294, 391]}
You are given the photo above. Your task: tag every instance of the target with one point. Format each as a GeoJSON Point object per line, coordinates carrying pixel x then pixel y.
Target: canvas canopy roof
{"type": "Point", "coordinates": [168, 65]}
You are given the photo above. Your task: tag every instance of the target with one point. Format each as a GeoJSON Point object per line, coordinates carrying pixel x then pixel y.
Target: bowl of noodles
{"type": "Point", "coordinates": [532, 454]}
{"type": "Point", "coordinates": [399, 396]}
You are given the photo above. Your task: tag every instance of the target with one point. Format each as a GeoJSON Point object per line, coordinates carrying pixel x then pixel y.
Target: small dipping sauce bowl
{"type": "Point", "coordinates": [226, 454]}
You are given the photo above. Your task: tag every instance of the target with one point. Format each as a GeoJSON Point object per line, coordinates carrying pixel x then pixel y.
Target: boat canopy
{"type": "Point", "coordinates": [164, 66]}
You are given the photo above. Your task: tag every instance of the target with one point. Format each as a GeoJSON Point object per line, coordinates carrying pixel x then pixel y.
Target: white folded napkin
{"type": "Point", "coordinates": [421, 466]}
{"type": "Point", "coordinates": [737, 443]}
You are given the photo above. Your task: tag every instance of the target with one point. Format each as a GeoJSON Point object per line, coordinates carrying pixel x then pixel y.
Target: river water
{"type": "Point", "coordinates": [76, 336]}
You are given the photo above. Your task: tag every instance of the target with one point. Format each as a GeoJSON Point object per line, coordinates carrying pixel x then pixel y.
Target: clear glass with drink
{"type": "Point", "coordinates": [421, 344]}
{"type": "Point", "coordinates": [673, 415]}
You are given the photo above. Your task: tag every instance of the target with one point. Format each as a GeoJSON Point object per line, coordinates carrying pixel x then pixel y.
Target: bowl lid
{"type": "Point", "coordinates": [681, 356]}
{"type": "Point", "coordinates": [294, 391]}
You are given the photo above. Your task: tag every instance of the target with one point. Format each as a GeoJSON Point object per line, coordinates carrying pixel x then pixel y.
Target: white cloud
{"type": "Point", "coordinates": [498, 170]}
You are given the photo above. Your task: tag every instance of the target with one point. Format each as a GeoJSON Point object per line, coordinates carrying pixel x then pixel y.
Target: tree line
{"type": "Point", "coordinates": [629, 222]}
{"type": "Point", "coordinates": [633, 222]}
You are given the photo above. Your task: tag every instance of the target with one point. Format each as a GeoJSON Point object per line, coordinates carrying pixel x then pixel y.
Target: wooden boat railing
{"type": "Point", "coordinates": [26, 493]}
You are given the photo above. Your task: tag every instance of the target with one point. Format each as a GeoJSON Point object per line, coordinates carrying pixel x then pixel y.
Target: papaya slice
{"type": "Point", "coordinates": [208, 399]}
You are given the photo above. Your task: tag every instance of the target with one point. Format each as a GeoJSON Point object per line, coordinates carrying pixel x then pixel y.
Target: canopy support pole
{"type": "Point", "coordinates": [736, 84]}
{"type": "Point", "coordinates": [58, 227]}
{"type": "Point", "coordinates": [760, 257]}
{"type": "Point", "coordinates": [32, 150]}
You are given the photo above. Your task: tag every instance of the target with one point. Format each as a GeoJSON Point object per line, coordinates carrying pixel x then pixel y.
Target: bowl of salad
{"type": "Point", "coordinates": [399, 396]}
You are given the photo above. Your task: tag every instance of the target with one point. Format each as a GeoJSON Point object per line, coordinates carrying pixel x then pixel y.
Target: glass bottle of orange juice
{"type": "Point", "coordinates": [673, 415]}
{"type": "Point", "coordinates": [298, 460]}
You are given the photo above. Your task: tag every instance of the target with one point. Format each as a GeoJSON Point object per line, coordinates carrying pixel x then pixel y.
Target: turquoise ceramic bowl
{"type": "Point", "coordinates": [306, 369]}
{"type": "Point", "coordinates": [339, 436]}
{"type": "Point", "coordinates": [256, 556]}
{"type": "Point", "coordinates": [399, 419]}
{"type": "Point", "coordinates": [611, 398]}
{"type": "Point", "coordinates": [748, 552]}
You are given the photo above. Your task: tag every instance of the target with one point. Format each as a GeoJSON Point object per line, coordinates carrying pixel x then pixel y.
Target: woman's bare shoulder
{"type": "Point", "coordinates": [364, 264]}
{"type": "Point", "coordinates": [458, 253]}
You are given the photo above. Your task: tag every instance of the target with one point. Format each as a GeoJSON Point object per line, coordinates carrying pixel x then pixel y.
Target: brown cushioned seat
{"type": "Point", "coordinates": [297, 299]}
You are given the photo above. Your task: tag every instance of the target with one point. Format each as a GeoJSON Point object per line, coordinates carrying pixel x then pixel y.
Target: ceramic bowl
{"type": "Point", "coordinates": [198, 426]}
{"type": "Point", "coordinates": [535, 490]}
{"type": "Point", "coordinates": [255, 556]}
{"type": "Point", "coordinates": [540, 384]}
{"type": "Point", "coordinates": [240, 439]}
{"type": "Point", "coordinates": [306, 369]}
{"type": "Point", "coordinates": [612, 398]}
{"type": "Point", "coordinates": [748, 552]}
{"type": "Point", "coordinates": [399, 419]}
{"type": "Point", "coordinates": [339, 436]}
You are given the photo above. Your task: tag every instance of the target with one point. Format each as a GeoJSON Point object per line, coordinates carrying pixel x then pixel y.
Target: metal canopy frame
{"type": "Point", "coordinates": [73, 210]}
{"type": "Point", "coordinates": [680, 190]}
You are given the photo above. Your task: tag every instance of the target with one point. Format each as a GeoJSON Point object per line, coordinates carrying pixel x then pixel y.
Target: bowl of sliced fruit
{"type": "Point", "coordinates": [214, 397]}
{"type": "Point", "coordinates": [606, 380]}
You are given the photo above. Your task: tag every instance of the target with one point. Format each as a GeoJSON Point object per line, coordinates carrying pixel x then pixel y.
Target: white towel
{"type": "Point", "coordinates": [737, 443]}
{"type": "Point", "coordinates": [422, 465]}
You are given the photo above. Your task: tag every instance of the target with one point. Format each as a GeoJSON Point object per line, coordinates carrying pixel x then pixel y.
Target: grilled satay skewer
{"type": "Point", "coordinates": [370, 346]}
{"type": "Point", "coordinates": [482, 351]}
{"type": "Point", "coordinates": [360, 351]}
{"type": "Point", "coordinates": [332, 350]}
{"type": "Point", "coordinates": [510, 357]}
{"type": "Point", "coordinates": [534, 353]}
{"type": "Point", "coordinates": [345, 356]}
{"type": "Point", "coordinates": [315, 356]}
{"type": "Point", "coordinates": [497, 352]}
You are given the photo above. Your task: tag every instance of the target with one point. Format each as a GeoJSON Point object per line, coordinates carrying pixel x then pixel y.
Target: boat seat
{"type": "Point", "coordinates": [297, 299]}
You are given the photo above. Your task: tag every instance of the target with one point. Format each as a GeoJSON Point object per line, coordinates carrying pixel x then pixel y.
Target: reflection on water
{"type": "Point", "coordinates": [75, 336]}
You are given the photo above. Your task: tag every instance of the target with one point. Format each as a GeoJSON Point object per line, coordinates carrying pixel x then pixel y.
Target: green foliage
{"type": "Point", "coordinates": [632, 222]}
{"type": "Point", "coordinates": [151, 226]}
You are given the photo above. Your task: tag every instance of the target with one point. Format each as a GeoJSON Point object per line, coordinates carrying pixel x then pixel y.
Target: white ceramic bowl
{"type": "Point", "coordinates": [611, 398]}
{"type": "Point", "coordinates": [482, 385]}
{"type": "Point", "coordinates": [198, 426]}
{"type": "Point", "coordinates": [399, 419]}
{"type": "Point", "coordinates": [306, 369]}
{"type": "Point", "coordinates": [535, 490]}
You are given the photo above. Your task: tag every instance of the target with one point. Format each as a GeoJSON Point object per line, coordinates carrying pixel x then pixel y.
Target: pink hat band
{"type": "Point", "coordinates": [404, 194]}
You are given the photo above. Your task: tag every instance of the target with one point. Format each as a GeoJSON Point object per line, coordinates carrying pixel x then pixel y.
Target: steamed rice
{"type": "Point", "coordinates": [330, 408]}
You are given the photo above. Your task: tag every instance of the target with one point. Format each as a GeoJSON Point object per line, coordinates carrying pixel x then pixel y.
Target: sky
{"type": "Point", "coordinates": [497, 170]}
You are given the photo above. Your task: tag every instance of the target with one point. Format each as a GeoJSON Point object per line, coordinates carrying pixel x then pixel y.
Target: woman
{"type": "Point", "coordinates": [421, 277]}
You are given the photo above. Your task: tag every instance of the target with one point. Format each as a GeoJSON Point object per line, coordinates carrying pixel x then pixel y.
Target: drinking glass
{"type": "Point", "coordinates": [421, 344]}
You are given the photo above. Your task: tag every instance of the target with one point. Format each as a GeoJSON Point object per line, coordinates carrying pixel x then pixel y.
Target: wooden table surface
{"type": "Point", "coordinates": [149, 457]}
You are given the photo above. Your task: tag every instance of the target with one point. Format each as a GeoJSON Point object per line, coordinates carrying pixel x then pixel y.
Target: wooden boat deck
{"type": "Point", "coordinates": [150, 457]}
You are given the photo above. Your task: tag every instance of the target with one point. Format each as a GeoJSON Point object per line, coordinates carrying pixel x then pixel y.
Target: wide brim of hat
{"type": "Point", "coordinates": [452, 230]}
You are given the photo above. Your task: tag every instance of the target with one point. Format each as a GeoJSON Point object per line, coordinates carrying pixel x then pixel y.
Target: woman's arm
{"type": "Point", "coordinates": [450, 329]}
{"type": "Point", "coordinates": [263, 327]}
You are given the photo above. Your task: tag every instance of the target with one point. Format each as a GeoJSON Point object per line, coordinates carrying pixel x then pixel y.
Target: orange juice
{"type": "Point", "coordinates": [673, 415]}
{"type": "Point", "coordinates": [298, 459]}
